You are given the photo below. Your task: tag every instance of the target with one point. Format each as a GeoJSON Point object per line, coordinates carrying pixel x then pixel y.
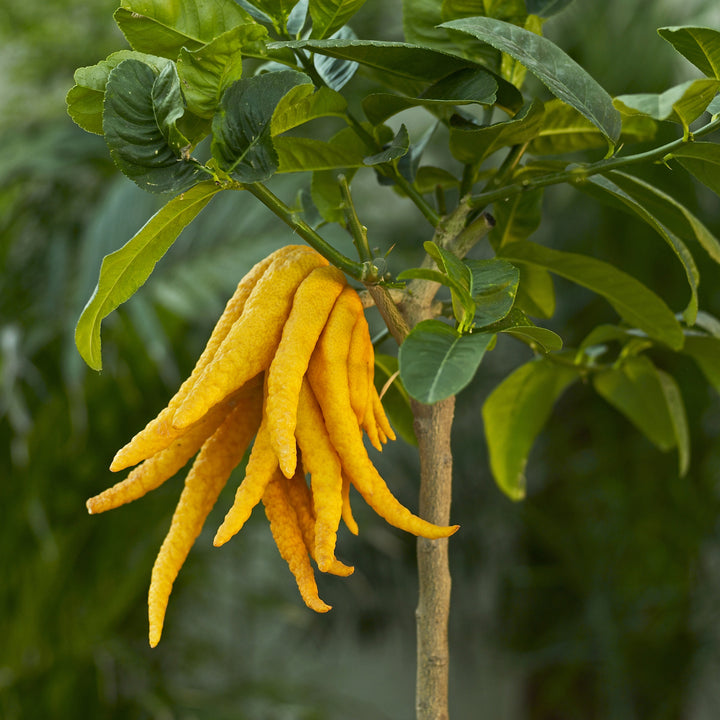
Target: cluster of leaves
{"type": "Point", "coordinates": [245, 76]}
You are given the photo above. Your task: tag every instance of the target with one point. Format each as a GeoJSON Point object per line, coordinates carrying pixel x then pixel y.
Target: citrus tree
{"type": "Point", "coordinates": [215, 96]}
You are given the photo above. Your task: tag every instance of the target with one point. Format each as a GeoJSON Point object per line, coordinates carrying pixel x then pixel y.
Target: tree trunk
{"type": "Point", "coordinates": [433, 424]}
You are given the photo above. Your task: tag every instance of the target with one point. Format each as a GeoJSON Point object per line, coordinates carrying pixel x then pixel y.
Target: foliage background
{"type": "Point", "coordinates": [597, 597]}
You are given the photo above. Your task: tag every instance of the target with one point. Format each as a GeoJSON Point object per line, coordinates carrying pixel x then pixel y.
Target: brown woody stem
{"type": "Point", "coordinates": [432, 428]}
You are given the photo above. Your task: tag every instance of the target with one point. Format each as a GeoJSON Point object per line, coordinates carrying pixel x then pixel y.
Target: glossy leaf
{"type": "Point", "coordinates": [330, 15]}
{"type": "Point", "coordinates": [606, 185]}
{"type": "Point", "coordinates": [494, 286]}
{"type": "Point", "coordinates": [515, 413]}
{"type": "Point", "coordinates": [462, 87]}
{"type": "Point", "coordinates": [472, 144]}
{"type": "Point", "coordinates": [565, 130]}
{"type": "Point", "coordinates": [406, 67]}
{"type": "Point", "coordinates": [302, 104]}
{"type": "Point", "coordinates": [169, 106]}
{"type": "Point", "coordinates": [700, 45]}
{"type": "Point", "coordinates": [678, 418]}
{"type": "Point", "coordinates": [671, 213]}
{"type": "Point", "coordinates": [516, 218]}
{"type": "Point", "coordinates": [538, 338]}
{"type": "Point", "coordinates": [297, 154]}
{"type": "Point", "coordinates": [297, 18]}
{"type": "Point", "coordinates": [164, 27]}
{"type": "Point", "coordinates": [394, 151]}
{"type": "Point", "coordinates": [207, 72]}
{"type": "Point", "coordinates": [705, 351]}
{"type": "Point", "coordinates": [560, 73]}
{"type": "Point", "coordinates": [636, 390]}
{"type": "Point", "coordinates": [421, 21]}
{"type": "Point", "coordinates": [138, 145]}
{"type": "Point", "coordinates": [396, 400]}
{"type": "Point", "coordinates": [632, 300]}
{"type": "Point", "coordinates": [701, 159]}
{"type": "Point", "coordinates": [85, 98]}
{"type": "Point", "coordinates": [436, 361]}
{"type": "Point", "coordinates": [429, 178]}
{"type": "Point", "coordinates": [278, 11]}
{"type": "Point", "coordinates": [242, 143]}
{"type": "Point", "coordinates": [683, 103]}
{"type": "Point", "coordinates": [125, 270]}
{"type": "Point", "coordinates": [536, 292]}
{"type": "Point", "coordinates": [714, 107]}
{"type": "Point", "coordinates": [336, 72]}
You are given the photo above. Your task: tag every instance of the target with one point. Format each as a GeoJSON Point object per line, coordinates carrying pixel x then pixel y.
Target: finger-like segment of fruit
{"type": "Point", "coordinates": [380, 417]}
{"type": "Point", "coordinates": [250, 345]}
{"type": "Point", "coordinates": [154, 471]}
{"type": "Point", "coordinates": [288, 538]}
{"type": "Point", "coordinates": [261, 467]}
{"type": "Point", "coordinates": [328, 378]}
{"type": "Point", "coordinates": [300, 497]}
{"type": "Point", "coordinates": [210, 471]}
{"type": "Point", "coordinates": [371, 429]}
{"type": "Point", "coordinates": [311, 307]}
{"type": "Point", "coordinates": [357, 368]}
{"type": "Point", "coordinates": [160, 433]}
{"type": "Point", "coordinates": [323, 464]}
{"type": "Point", "coordinates": [347, 514]}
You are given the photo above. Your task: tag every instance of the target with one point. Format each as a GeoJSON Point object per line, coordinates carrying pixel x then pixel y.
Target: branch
{"type": "Point", "coordinates": [579, 172]}
{"type": "Point", "coordinates": [291, 218]}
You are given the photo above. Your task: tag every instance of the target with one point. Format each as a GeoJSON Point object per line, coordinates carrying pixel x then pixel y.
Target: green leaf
{"type": "Point", "coordinates": [633, 301]}
{"type": "Point", "coordinates": [714, 107]}
{"type": "Point", "coordinates": [671, 213]}
{"type": "Point", "coordinates": [408, 68]}
{"type": "Point", "coordinates": [125, 270]}
{"type": "Point", "coordinates": [700, 45]}
{"type": "Point", "coordinates": [207, 72]}
{"type": "Point", "coordinates": [336, 72]}
{"type": "Point", "coordinates": [546, 8]}
{"type": "Point", "coordinates": [85, 98]}
{"type": "Point", "coordinates": [683, 103]}
{"type": "Point", "coordinates": [539, 338]}
{"type": "Point", "coordinates": [516, 218]}
{"type": "Point", "coordinates": [701, 159]}
{"type": "Point", "coordinates": [518, 325]}
{"type": "Point", "coordinates": [565, 130]}
{"type": "Point", "coordinates": [303, 104]}
{"type": "Point", "coordinates": [472, 144]}
{"type": "Point", "coordinates": [242, 143]}
{"type": "Point", "coordinates": [462, 87]}
{"type": "Point", "coordinates": [493, 288]}
{"type": "Point", "coordinates": [169, 107]}
{"type": "Point", "coordinates": [436, 361]}
{"type": "Point", "coordinates": [637, 390]}
{"type": "Point", "coordinates": [164, 27]}
{"type": "Point", "coordinates": [678, 418]}
{"type": "Point", "coordinates": [278, 11]}
{"type": "Point", "coordinates": [297, 154]}
{"type": "Point", "coordinates": [560, 73]}
{"type": "Point", "coordinates": [396, 400]}
{"type": "Point", "coordinates": [536, 292]}
{"type": "Point", "coordinates": [396, 149]}
{"type": "Point", "coordinates": [138, 145]}
{"type": "Point", "coordinates": [330, 15]}
{"type": "Point", "coordinates": [705, 351]}
{"type": "Point", "coordinates": [429, 178]}
{"type": "Point", "coordinates": [606, 185]}
{"type": "Point", "coordinates": [514, 414]}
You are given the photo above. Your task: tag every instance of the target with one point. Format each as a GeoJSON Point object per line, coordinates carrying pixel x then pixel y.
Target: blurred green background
{"type": "Point", "coordinates": [597, 597]}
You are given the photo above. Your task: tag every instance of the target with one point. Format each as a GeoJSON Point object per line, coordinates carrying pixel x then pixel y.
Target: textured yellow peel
{"type": "Point", "coordinates": [311, 306]}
